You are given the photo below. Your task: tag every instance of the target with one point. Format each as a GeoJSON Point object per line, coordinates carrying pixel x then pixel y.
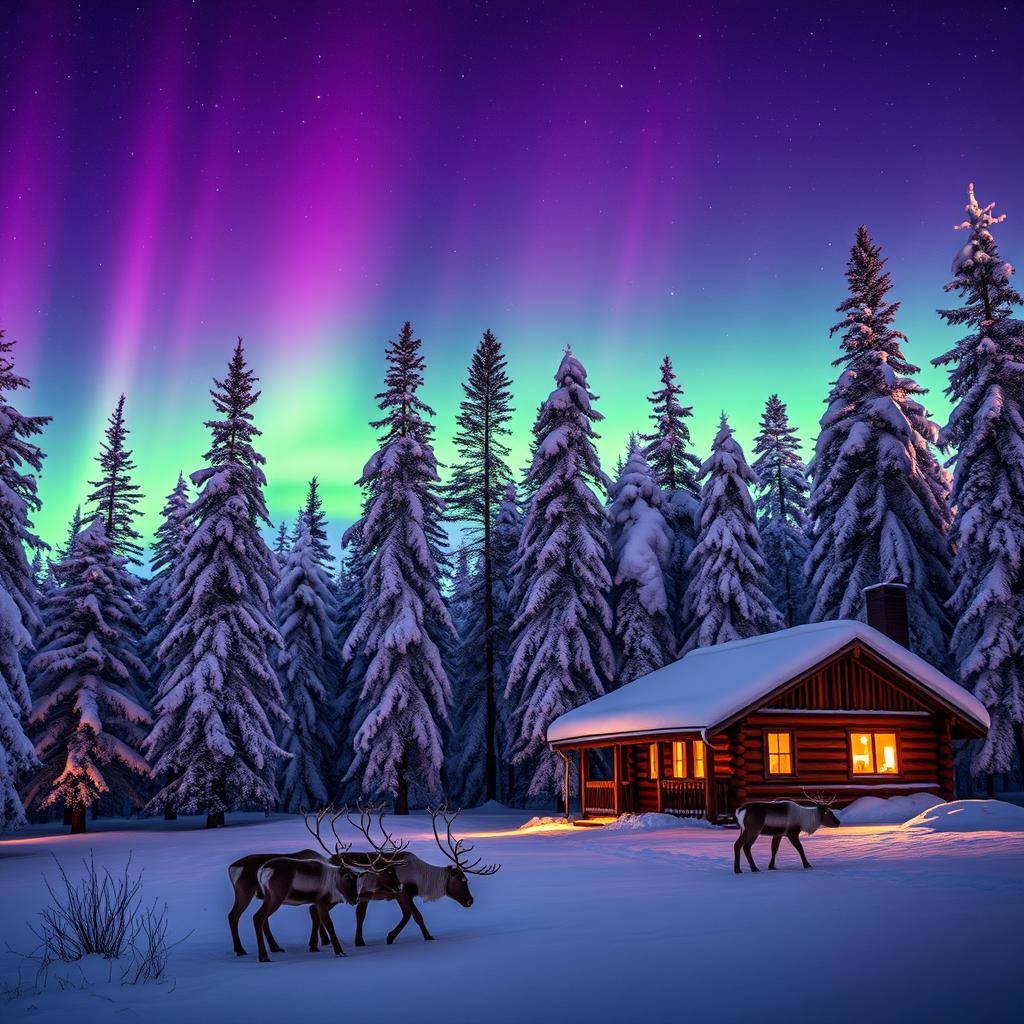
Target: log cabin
{"type": "Point", "coordinates": [841, 707]}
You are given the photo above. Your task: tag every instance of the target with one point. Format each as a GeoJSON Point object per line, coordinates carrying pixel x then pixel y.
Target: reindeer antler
{"type": "Point", "coordinates": [820, 798]}
{"type": "Point", "coordinates": [385, 850]}
{"type": "Point", "coordinates": [457, 850]}
{"type": "Point", "coordinates": [314, 830]}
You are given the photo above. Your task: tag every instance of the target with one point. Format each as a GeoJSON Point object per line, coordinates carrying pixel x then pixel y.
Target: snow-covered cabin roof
{"type": "Point", "coordinates": [712, 685]}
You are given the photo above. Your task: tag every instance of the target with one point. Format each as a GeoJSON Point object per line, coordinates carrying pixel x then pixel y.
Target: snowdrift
{"type": "Point", "coordinates": [876, 810]}
{"type": "Point", "coordinates": [651, 821]}
{"type": "Point", "coordinates": [971, 816]}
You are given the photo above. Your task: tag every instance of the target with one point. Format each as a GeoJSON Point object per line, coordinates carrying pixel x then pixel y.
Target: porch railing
{"type": "Point", "coordinates": [599, 797]}
{"type": "Point", "coordinates": [686, 798]}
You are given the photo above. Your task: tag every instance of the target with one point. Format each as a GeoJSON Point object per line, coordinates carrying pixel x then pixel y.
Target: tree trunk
{"type": "Point", "coordinates": [402, 792]}
{"type": "Point", "coordinates": [214, 819]}
{"type": "Point", "coordinates": [77, 821]}
{"type": "Point", "coordinates": [67, 815]}
{"type": "Point", "coordinates": [170, 814]}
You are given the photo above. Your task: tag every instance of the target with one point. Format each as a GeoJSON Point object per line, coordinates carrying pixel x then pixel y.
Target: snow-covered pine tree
{"type": "Point", "coordinates": [473, 495]}
{"type": "Point", "coordinates": [74, 528]}
{"type": "Point", "coordinates": [668, 444]}
{"type": "Point", "coordinates": [351, 672]}
{"type": "Point", "coordinates": [403, 703]}
{"type": "Point", "coordinates": [465, 756]}
{"type": "Point", "coordinates": [86, 722]}
{"type": "Point", "coordinates": [172, 537]}
{"type": "Point", "coordinates": [316, 524]}
{"type": "Point", "coordinates": [781, 506]}
{"type": "Point", "coordinates": [879, 502]}
{"type": "Point", "coordinates": [563, 654]}
{"type": "Point", "coordinates": [20, 460]}
{"type": "Point", "coordinates": [726, 598]}
{"type": "Point", "coordinates": [307, 665]}
{"type": "Point", "coordinates": [16, 753]}
{"type": "Point", "coordinates": [282, 542]}
{"type": "Point", "coordinates": [675, 467]}
{"type": "Point", "coordinates": [219, 694]}
{"type": "Point", "coordinates": [641, 543]}
{"type": "Point", "coordinates": [986, 433]}
{"type": "Point", "coordinates": [115, 494]}
{"type": "Point", "coordinates": [508, 528]}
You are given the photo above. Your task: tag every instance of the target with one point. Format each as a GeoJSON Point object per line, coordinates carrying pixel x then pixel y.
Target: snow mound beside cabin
{"type": "Point", "coordinates": [971, 816]}
{"type": "Point", "coordinates": [651, 821]}
{"type": "Point", "coordinates": [876, 810]}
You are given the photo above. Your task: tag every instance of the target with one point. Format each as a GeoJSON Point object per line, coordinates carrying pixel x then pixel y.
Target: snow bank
{"type": "Point", "coordinates": [540, 822]}
{"type": "Point", "coordinates": [971, 816]}
{"type": "Point", "coordinates": [876, 810]}
{"type": "Point", "coordinates": [650, 822]}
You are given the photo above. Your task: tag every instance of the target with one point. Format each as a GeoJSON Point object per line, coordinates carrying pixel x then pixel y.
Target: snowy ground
{"type": "Point", "coordinates": [892, 924]}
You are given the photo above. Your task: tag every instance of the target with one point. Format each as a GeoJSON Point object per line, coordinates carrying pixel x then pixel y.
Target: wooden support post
{"type": "Point", "coordinates": [710, 789]}
{"type": "Point", "coordinates": [583, 782]}
{"type": "Point", "coordinates": [617, 780]}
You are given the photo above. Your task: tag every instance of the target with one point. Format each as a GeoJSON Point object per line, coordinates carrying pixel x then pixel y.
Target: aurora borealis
{"type": "Point", "coordinates": [630, 179]}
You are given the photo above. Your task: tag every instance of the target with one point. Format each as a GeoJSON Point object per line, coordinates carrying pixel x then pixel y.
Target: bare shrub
{"type": "Point", "coordinates": [101, 914]}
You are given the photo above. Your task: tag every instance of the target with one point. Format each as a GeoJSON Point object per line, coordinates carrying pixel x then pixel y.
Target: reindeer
{"type": "Point", "coordinates": [417, 877]}
{"type": "Point", "coordinates": [371, 880]}
{"type": "Point", "coordinates": [780, 818]}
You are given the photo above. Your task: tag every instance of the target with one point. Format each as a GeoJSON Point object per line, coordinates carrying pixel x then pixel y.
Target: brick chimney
{"type": "Point", "coordinates": [886, 605]}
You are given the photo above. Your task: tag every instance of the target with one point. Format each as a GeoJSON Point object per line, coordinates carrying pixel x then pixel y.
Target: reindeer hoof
{"type": "Point", "coordinates": [276, 949]}
{"type": "Point", "coordinates": [359, 942]}
{"type": "Point", "coordinates": [314, 949]}
{"type": "Point", "coordinates": [429, 938]}
{"type": "Point", "coordinates": [240, 952]}
{"type": "Point", "coordinates": [771, 867]}
{"type": "Point", "coordinates": [755, 869]}
{"type": "Point", "coordinates": [264, 959]}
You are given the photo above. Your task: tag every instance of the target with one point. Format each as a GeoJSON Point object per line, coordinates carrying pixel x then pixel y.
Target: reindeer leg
{"type": "Point", "coordinates": [360, 917]}
{"type": "Point", "coordinates": [405, 902]}
{"type": "Point", "coordinates": [736, 847]}
{"type": "Point", "coordinates": [418, 918]}
{"type": "Point", "coordinates": [243, 897]}
{"type": "Point", "coordinates": [325, 922]}
{"type": "Point", "coordinates": [794, 838]}
{"type": "Point", "coordinates": [747, 847]}
{"type": "Point", "coordinates": [776, 840]}
{"type": "Point", "coordinates": [274, 947]}
{"type": "Point", "coordinates": [259, 920]}
{"type": "Point", "coordinates": [315, 930]}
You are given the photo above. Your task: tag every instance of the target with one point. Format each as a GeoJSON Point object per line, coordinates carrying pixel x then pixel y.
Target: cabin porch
{"type": "Point", "coordinates": [667, 777]}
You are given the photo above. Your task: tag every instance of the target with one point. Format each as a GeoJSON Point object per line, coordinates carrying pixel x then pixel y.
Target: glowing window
{"type": "Point", "coordinates": [780, 753]}
{"type": "Point", "coordinates": [655, 767]}
{"type": "Point", "coordinates": [678, 760]}
{"type": "Point", "coordinates": [698, 759]}
{"type": "Point", "coordinates": [873, 753]}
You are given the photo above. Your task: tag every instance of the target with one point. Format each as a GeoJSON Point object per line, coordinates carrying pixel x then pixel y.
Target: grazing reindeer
{"type": "Point", "coordinates": [245, 879]}
{"type": "Point", "coordinates": [780, 818]}
{"type": "Point", "coordinates": [417, 877]}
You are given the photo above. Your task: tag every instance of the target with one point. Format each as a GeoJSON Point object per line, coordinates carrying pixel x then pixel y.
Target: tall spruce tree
{"type": "Point", "coordinates": [508, 528]}
{"type": "Point", "coordinates": [986, 433]}
{"type": "Point", "coordinates": [219, 694]}
{"type": "Point", "coordinates": [403, 703]}
{"type": "Point", "coordinates": [21, 460]}
{"type": "Point", "coordinates": [16, 753]}
{"type": "Point", "coordinates": [282, 542]}
{"type": "Point", "coordinates": [473, 495]}
{"type": "Point", "coordinates": [465, 760]}
{"type": "Point", "coordinates": [781, 507]}
{"type": "Point", "coordinates": [726, 598]}
{"type": "Point", "coordinates": [675, 467]}
{"type": "Point", "coordinates": [349, 587]}
{"type": "Point", "coordinates": [86, 721]}
{"type": "Point", "coordinates": [312, 516]}
{"type": "Point", "coordinates": [563, 654]}
{"type": "Point", "coordinates": [306, 664]}
{"type": "Point", "coordinates": [115, 494]}
{"type": "Point", "coordinates": [879, 500]}
{"type": "Point", "coordinates": [172, 537]}
{"type": "Point", "coordinates": [641, 542]}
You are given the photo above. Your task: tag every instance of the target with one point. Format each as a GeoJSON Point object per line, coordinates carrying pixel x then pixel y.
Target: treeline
{"type": "Point", "coordinates": [243, 675]}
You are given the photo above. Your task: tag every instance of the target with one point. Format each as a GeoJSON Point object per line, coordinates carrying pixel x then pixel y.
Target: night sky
{"type": "Point", "coordinates": [631, 179]}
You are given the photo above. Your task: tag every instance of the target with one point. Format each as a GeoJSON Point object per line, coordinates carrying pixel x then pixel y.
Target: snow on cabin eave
{"type": "Point", "coordinates": [694, 690]}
